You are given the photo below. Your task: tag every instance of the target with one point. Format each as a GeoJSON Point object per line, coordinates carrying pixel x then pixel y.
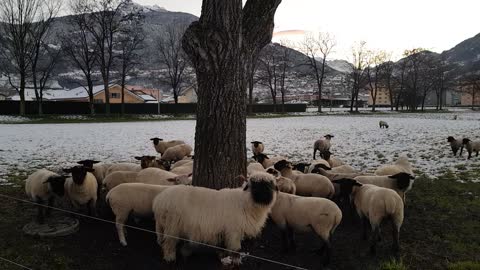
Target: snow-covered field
{"type": "Point", "coordinates": [358, 140]}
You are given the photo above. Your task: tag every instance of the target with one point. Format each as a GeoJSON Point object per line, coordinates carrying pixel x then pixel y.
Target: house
{"type": "Point", "coordinates": [186, 95]}
{"type": "Point", "coordinates": [382, 99]}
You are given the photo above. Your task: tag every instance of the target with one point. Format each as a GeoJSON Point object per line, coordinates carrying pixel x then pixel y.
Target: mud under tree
{"type": "Point", "coordinates": [223, 45]}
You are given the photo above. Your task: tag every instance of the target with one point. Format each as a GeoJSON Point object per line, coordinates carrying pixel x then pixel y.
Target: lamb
{"type": "Point", "coordinates": [333, 161]}
{"type": "Point", "coordinates": [266, 161]}
{"type": "Point", "coordinates": [307, 184]}
{"type": "Point", "coordinates": [134, 198]}
{"type": "Point", "coordinates": [42, 186]}
{"type": "Point", "coordinates": [161, 146]}
{"type": "Point", "coordinates": [213, 216]}
{"type": "Point", "coordinates": [150, 161]}
{"type": "Point", "coordinates": [257, 147]}
{"type": "Point", "coordinates": [400, 165]}
{"type": "Point", "coordinates": [254, 167]}
{"type": "Point", "coordinates": [119, 177]}
{"type": "Point", "coordinates": [100, 170]}
{"type": "Point", "coordinates": [176, 153]}
{"type": "Point", "coordinates": [400, 182]}
{"type": "Point", "coordinates": [375, 204]}
{"type": "Point", "coordinates": [320, 215]}
{"type": "Point", "coordinates": [455, 144]}
{"type": "Point", "coordinates": [124, 166]}
{"type": "Point", "coordinates": [383, 124]}
{"type": "Point", "coordinates": [471, 146]}
{"type": "Point", "coordinates": [322, 145]}
{"type": "Point", "coordinates": [81, 188]}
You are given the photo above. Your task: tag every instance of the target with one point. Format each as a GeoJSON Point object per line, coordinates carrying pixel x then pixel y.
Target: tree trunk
{"type": "Point", "coordinates": [250, 96]}
{"type": "Point", "coordinates": [22, 94]}
{"type": "Point", "coordinates": [90, 96]}
{"type": "Point", "coordinates": [283, 101]}
{"type": "Point", "coordinates": [218, 45]}
{"type": "Point", "coordinates": [122, 109]}
{"type": "Point", "coordinates": [107, 97]}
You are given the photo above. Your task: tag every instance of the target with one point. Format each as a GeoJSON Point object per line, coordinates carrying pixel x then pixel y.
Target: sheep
{"type": "Point", "coordinates": [254, 167]}
{"type": "Point", "coordinates": [150, 161]}
{"type": "Point", "coordinates": [374, 204]}
{"type": "Point", "coordinates": [322, 145]}
{"type": "Point", "coordinates": [383, 124]}
{"type": "Point", "coordinates": [134, 198]}
{"type": "Point", "coordinates": [156, 176]}
{"type": "Point", "coordinates": [344, 169]}
{"type": "Point", "coordinates": [400, 165]}
{"type": "Point", "coordinates": [400, 182]}
{"type": "Point", "coordinates": [257, 147]}
{"type": "Point", "coordinates": [81, 188]}
{"type": "Point", "coordinates": [301, 167]}
{"type": "Point", "coordinates": [316, 162]}
{"type": "Point", "coordinates": [41, 187]}
{"type": "Point", "coordinates": [119, 177]}
{"type": "Point", "coordinates": [181, 162]}
{"type": "Point", "coordinates": [100, 170]}
{"type": "Point", "coordinates": [326, 171]}
{"type": "Point", "coordinates": [213, 216]}
{"type": "Point", "coordinates": [267, 161]}
{"type": "Point", "coordinates": [291, 212]}
{"type": "Point", "coordinates": [333, 161]}
{"type": "Point", "coordinates": [186, 168]}
{"type": "Point", "coordinates": [161, 146]}
{"type": "Point", "coordinates": [176, 153]}
{"type": "Point", "coordinates": [455, 144]}
{"type": "Point", "coordinates": [286, 185]}
{"type": "Point", "coordinates": [307, 184]}
{"type": "Point", "coordinates": [471, 146]}
{"type": "Point", "coordinates": [124, 166]}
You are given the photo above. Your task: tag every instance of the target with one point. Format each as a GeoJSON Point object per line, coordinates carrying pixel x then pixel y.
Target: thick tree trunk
{"type": "Point", "coordinates": [218, 46]}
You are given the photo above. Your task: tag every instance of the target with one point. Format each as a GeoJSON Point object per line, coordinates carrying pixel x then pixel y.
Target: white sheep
{"type": "Point", "coordinates": [41, 187]}
{"type": "Point", "coordinates": [213, 216]}
{"type": "Point", "coordinates": [471, 146]}
{"type": "Point", "coordinates": [156, 176]}
{"type": "Point", "coordinates": [291, 212]}
{"type": "Point", "coordinates": [325, 171]}
{"type": "Point", "coordinates": [316, 162]}
{"type": "Point", "coordinates": [131, 198]}
{"type": "Point", "coordinates": [254, 167]}
{"type": "Point", "coordinates": [257, 147]}
{"type": "Point", "coordinates": [150, 161]}
{"type": "Point", "coordinates": [100, 170]}
{"type": "Point", "coordinates": [186, 168]}
{"type": "Point", "coordinates": [375, 204]}
{"type": "Point", "coordinates": [333, 161]}
{"type": "Point", "coordinates": [309, 184]}
{"type": "Point", "coordinates": [161, 146]}
{"type": "Point", "coordinates": [267, 161]}
{"type": "Point", "coordinates": [400, 165]}
{"type": "Point", "coordinates": [286, 185]}
{"type": "Point", "coordinates": [176, 153]}
{"type": "Point", "coordinates": [344, 169]}
{"type": "Point", "coordinates": [81, 188]}
{"type": "Point", "coordinates": [124, 166]}
{"type": "Point", "coordinates": [301, 167]}
{"type": "Point", "coordinates": [455, 144]}
{"type": "Point", "coordinates": [400, 182]}
{"type": "Point", "coordinates": [119, 177]}
{"type": "Point", "coordinates": [182, 162]}
{"type": "Point", "coordinates": [322, 145]}
{"type": "Point", "coordinates": [383, 124]}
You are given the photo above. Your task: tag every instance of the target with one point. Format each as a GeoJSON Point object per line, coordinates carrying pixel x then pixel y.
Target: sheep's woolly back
{"type": "Point", "coordinates": [186, 168]}
{"type": "Point", "coordinates": [335, 162]}
{"type": "Point", "coordinates": [322, 144]}
{"type": "Point", "coordinates": [126, 166]}
{"type": "Point", "coordinates": [286, 185]}
{"type": "Point", "coordinates": [100, 171]}
{"type": "Point", "coordinates": [271, 161]}
{"type": "Point", "coordinates": [119, 177]}
{"type": "Point", "coordinates": [306, 213]}
{"type": "Point", "coordinates": [473, 146]}
{"type": "Point", "coordinates": [254, 167]}
{"type": "Point", "coordinates": [181, 163]}
{"type": "Point", "coordinates": [344, 169]}
{"type": "Point", "coordinates": [155, 176]}
{"type": "Point", "coordinates": [35, 186]}
{"type": "Point", "coordinates": [377, 203]}
{"type": "Point", "coordinates": [177, 152]}
{"type": "Point", "coordinates": [162, 146]}
{"type": "Point", "coordinates": [400, 165]}
{"type": "Point", "coordinates": [82, 194]}
{"type": "Point", "coordinates": [317, 161]}
{"type": "Point", "coordinates": [210, 216]}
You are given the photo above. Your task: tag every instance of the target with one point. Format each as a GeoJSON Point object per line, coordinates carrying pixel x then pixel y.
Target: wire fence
{"type": "Point", "coordinates": [241, 254]}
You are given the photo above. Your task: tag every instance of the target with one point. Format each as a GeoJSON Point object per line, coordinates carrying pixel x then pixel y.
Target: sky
{"type": "Point", "coordinates": [390, 25]}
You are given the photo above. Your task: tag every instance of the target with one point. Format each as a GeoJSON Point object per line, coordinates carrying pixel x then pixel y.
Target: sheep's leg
{"type": "Point", "coordinates": [40, 216]}
{"type": "Point", "coordinates": [120, 224]}
{"type": "Point", "coordinates": [396, 237]}
{"type": "Point", "coordinates": [477, 154]}
{"type": "Point", "coordinates": [469, 154]}
{"type": "Point", "coordinates": [373, 239]}
{"type": "Point", "coordinates": [92, 211]}
{"type": "Point", "coordinates": [291, 238]}
{"type": "Point", "coordinates": [328, 252]}
{"type": "Point", "coordinates": [169, 246]}
{"type": "Point", "coordinates": [314, 152]}
{"type": "Point", "coordinates": [48, 211]}
{"type": "Point", "coordinates": [233, 243]}
{"type": "Point", "coordinates": [365, 225]}
{"type": "Point", "coordinates": [285, 242]}
{"type": "Point", "coordinates": [461, 150]}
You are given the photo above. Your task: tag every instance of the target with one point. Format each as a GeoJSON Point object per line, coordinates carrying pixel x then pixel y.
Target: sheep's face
{"type": "Point", "coordinates": [87, 163]}
{"type": "Point", "coordinates": [147, 161]}
{"type": "Point", "coordinates": [466, 141]}
{"type": "Point", "coordinates": [328, 136]}
{"type": "Point", "coordinates": [301, 166]}
{"type": "Point", "coordinates": [156, 140]}
{"type": "Point", "coordinates": [450, 139]}
{"type": "Point", "coordinates": [260, 157]}
{"type": "Point", "coordinates": [273, 172]}
{"type": "Point", "coordinates": [346, 185]}
{"type": "Point", "coordinates": [256, 143]}
{"type": "Point", "coordinates": [282, 164]}
{"type": "Point", "coordinates": [78, 173]}
{"type": "Point", "coordinates": [57, 184]}
{"type": "Point", "coordinates": [184, 179]}
{"type": "Point", "coordinates": [403, 180]}
{"type": "Point", "coordinates": [262, 187]}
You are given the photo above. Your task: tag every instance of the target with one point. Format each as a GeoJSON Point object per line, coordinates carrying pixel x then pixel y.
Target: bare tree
{"type": "Point", "coordinates": [387, 78]}
{"type": "Point", "coordinates": [173, 57]}
{"type": "Point", "coordinates": [320, 46]}
{"type": "Point", "coordinates": [19, 17]}
{"type": "Point", "coordinates": [470, 85]}
{"type": "Point", "coordinates": [285, 66]}
{"type": "Point", "coordinates": [223, 45]}
{"type": "Point", "coordinates": [252, 80]}
{"type": "Point", "coordinates": [130, 40]}
{"type": "Point", "coordinates": [359, 55]}
{"type": "Point", "coordinates": [399, 79]}
{"type": "Point", "coordinates": [79, 46]}
{"type": "Point", "coordinates": [269, 71]}
{"type": "Point", "coordinates": [415, 60]}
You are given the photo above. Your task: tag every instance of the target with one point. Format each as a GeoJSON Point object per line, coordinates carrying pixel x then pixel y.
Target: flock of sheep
{"type": "Point", "coordinates": [297, 197]}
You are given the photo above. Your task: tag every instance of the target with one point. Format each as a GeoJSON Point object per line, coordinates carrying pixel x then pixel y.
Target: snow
{"type": "Point", "coordinates": [358, 140]}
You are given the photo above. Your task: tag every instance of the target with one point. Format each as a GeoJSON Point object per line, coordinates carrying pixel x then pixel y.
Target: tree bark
{"type": "Point", "coordinates": [218, 45]}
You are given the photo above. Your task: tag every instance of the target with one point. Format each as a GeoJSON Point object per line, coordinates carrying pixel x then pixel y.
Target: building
{"type": "Point", "coordinates": [3, 97]}
{"type": "Point", "coordinates": [382, 99]}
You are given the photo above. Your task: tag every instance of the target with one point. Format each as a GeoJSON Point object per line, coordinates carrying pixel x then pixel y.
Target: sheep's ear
{"type": "Point", "coordinates": [190, 174]}
{"type": "Point", "coordinates": [138, 158]}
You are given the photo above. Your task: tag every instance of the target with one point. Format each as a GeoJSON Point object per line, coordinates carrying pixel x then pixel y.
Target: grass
{"type": "Point", "coordinates": [468, 265]}
{"type": "Point", "coordinates": [393, 265]}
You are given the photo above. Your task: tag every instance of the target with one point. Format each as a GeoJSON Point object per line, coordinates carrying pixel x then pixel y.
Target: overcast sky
{"type": "Point", "coordinates": [391, 25]}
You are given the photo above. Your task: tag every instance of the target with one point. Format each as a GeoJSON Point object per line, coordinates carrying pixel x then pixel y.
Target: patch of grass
{"type": "Point", "coordinates": [393, 265]}
{"type": "Point", "coordinates": [467, 265]}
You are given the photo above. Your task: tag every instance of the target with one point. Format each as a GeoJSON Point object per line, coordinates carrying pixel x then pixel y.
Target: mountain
{"type": "Point", "coordinates": [340, 65]}
{"type": "Point", "coordinates": [466, 55]}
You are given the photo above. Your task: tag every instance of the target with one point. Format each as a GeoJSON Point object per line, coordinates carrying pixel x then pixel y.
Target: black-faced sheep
{"type": "Point", "coordinates": [150, 161]}
{"type": "Point", "coordinates": [375, 204]}
{"type": "Point", "coordinates": [322, 145]}
{"type": "Point", "coordinates": [41, 187]}
{"type": "Point", "coordinates": [81, 188]}
{"type": "Point", "coordinates": [100, 170]}
{"type": "Point", "coordinates": [257, 147]}
{"type": "Point", "coordinates": [471, 146]}
{"type": "Point", "coordinates": [455, 144]}
{"type": "Point", "coordinates": [400, 182]}
{"type": "Point", "coordinates": [213, 216]}
{"type": "Point", "coordinates": [383, 124]}
{"type": "Point", "coordinates": [161, 146]}
{"type": "Point", "coordinates": [333, 161]}
{"type": "Point", "coordinates": [267, 161]}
